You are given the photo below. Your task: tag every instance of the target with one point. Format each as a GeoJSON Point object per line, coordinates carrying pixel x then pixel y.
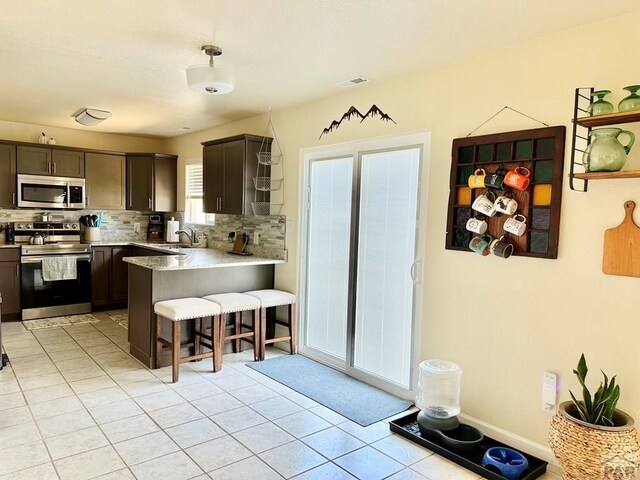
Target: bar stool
{"type": "Point", "coordinates": [237, 304]}
{"type": "Point", "coordinates": [274, 298]}
{"type": "Point", "coordinates": [177, 311]}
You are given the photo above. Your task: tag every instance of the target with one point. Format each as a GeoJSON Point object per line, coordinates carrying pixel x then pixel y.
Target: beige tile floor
{"type": "Point", "coordinates": [74, 405]}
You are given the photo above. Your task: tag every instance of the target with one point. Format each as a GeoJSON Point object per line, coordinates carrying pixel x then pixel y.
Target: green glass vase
{"type": "Point", "coordinates": [600, 106]}
{"type": "Point", "coordinates": [605, 153]}
{"type": "Point", "coordinates": [632, 102]}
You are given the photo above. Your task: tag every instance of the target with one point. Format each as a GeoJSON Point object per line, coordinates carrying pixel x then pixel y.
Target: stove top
{"type": "Point", "coordinates": [55, 232]}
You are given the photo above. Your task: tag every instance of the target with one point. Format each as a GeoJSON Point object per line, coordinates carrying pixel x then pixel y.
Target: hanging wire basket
{"type": "Point", "coordinates": [263, 209]}
{"type": "Point", "coordinates": [267, 184]}
{"type": "Point", "coordinates": [268, 158]}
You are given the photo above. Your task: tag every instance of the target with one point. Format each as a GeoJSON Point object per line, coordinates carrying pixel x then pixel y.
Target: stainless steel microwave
{"type": "Point", "coordinates": [40, 191]}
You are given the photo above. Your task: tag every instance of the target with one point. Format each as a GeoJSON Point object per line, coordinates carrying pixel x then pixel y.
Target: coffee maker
{"type": "Point", "coordinates": [155, 229]}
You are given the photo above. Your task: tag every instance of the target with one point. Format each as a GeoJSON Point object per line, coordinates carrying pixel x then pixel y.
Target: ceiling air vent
{"type": "Point", "coordinates": [352, 82]}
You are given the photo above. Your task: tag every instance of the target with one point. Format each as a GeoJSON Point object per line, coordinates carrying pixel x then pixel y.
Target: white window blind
{"type": "Point", "coordinates": [194, 193]}
{"type": "Point", "coordinates": [194, 181]}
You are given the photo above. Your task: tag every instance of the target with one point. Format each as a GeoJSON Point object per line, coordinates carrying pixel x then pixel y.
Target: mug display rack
{"type": "Point", "coordinates": [539, 150]}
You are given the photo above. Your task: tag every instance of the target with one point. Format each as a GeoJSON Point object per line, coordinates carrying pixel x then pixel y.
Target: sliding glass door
{"type": "Point", "coordinates": [328, 255]}
{"type": "Point", "coordinates": [386, 252]}
{"type": "Point", "coordinates": [360, 262]}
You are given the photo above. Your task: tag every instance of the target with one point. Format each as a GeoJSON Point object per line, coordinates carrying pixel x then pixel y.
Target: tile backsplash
{"type": "Point", "coordinates": [271, 229]}
{"type": "Point", "coordinates": [118, 225]}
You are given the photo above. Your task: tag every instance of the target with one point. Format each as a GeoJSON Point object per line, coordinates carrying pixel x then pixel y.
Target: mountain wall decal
{"type": "Point", "coordinates": [374, 111]}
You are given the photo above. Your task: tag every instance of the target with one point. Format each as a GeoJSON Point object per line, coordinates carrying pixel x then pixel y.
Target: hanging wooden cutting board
{"type": "Point", "coordinates": [621, 254]}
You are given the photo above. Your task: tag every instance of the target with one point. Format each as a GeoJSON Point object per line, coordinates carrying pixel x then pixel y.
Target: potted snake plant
{"type": "Point", "coordinates": [590, 437]}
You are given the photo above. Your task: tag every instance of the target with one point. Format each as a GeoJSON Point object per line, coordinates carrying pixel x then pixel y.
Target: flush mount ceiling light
{"type": "Point", "coordinates": [209, 78]}
{"type": "Point", "coordinates": [91, 116]}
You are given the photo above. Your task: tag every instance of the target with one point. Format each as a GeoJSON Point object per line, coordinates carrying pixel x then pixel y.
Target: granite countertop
{"type": "Point", "coordinates": [9, 246]}
{"type": "Point", "coordinates": [189, 258]}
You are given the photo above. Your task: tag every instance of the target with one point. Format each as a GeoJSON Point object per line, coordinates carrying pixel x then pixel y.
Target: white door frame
{"type": "Point", "coordinates": [353, 150]}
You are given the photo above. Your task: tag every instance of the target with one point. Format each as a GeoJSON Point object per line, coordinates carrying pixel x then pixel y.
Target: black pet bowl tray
{"type": "Point", "coordinates": [408, 427]}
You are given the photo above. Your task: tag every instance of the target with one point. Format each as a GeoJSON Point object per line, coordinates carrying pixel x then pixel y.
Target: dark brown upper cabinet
{"type": "Point", "coordinates": [48, 161]}
{"type": "Point", "coordinates": [7, 175]}
{"type": "Point", "coordinates": [106, 183]}
{"type": "Point", "coordinates": [152, 182]}
{"type": "Point", "coordinates": [229, 166]}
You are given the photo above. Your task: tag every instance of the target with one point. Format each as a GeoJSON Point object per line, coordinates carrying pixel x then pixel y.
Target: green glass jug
{"type": "Point", "coordinates": [605, 153]}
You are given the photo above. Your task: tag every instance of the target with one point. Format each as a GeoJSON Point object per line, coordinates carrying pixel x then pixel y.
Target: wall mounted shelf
{"type": "Point", "coordinates": [609, 119]}
{"type": "Point", "coordinates": [581, 138]}
{"type": "Point", "coordinates": [607, 175]}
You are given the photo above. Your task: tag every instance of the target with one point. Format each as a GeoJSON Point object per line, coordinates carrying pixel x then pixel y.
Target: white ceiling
{"type": "Point", "coordinates": [129, 56]}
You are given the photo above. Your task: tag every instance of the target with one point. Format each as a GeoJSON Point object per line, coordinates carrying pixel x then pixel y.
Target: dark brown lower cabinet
{"type": "Point", "coordinates": [101, 276]}
{"type": "Point", "coordinates": [109, 282]}
{"type": "Point", "coordinates": [120, 273]}
{"type": "Point", "coordinates": [110, 274]}
{"type": "Point", "coordinates": [10, 283]}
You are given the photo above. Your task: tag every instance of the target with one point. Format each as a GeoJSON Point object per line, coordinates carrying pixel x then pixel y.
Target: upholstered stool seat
{"type": "Point", "coordinates": [236, 304]}
{"type": "Point", "coordinates": [177, 311]}
{"type": "Point", "coordinates": [233, 302]}
{"type": "Point", "coordinates": [270, 298]}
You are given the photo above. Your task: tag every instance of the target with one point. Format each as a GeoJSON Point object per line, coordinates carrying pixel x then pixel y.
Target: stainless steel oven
{"type": "Point", "coordinates": [41, 298]}
{"type": "Point", "coordinates": [45, 192]}
{"type": "Point", "coordinates": [54, 297]}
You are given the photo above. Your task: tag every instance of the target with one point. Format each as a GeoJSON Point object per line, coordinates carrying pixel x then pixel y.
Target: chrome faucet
{"type": "Point", "coordinates": [193, 238]}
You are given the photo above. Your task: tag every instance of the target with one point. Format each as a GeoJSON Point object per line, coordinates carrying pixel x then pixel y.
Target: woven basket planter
{"type": "Point", "coordinates": [590, 452]}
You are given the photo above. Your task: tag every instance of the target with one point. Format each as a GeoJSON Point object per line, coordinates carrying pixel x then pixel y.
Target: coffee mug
{"type": "Point", "coordinates": [495, 180]}
{"type": "Point", "coordinates": [506, 205]}
{"type": "Point", "coordinates": [477, 225]}
{"type": "Point", "coordinates": [480, 245]}
{"type": "Point", "coordinates": [516, 225]}
{"type": "Point", "coordinates": [477, 179]}
{"type": "Point", "coordinates": [518, 178]}
{"type": "Point", "coordinates": [485, 204]}
{"type": "Point", "coordinates": [501, 247]}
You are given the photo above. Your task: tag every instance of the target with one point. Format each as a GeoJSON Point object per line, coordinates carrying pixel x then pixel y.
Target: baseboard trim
{"type": "Point", "coordinates": [521, 443]}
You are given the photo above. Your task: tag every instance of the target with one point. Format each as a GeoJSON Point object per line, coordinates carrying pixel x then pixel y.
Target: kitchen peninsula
{"type": "Point", "coordinates": [185, 272]}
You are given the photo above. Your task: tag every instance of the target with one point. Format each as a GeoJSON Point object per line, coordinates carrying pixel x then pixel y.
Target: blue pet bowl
{"type": "Point", "coordinates": [510, 463]}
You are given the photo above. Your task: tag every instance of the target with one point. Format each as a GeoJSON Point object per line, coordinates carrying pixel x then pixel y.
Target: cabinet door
{"type": "Point", "coordinates": [106, 181]}
{"type": "Point", "coordinates": [101, 276]}
{"type": "Point", "coordinates": [10, 287]}
{"type": "Point", "coordinates": [140, 183]}
{"type": "Point", "coordinates": [34, 160]}
{"type": "Point", "coordinates": [233, 188]}
{"type": "Point", "coordinates": [7, 175]}
{"type": "Point", "coordinates": [212, 177]}
{"type": "Point", "coordinates": [67, 163]}
{"type": "Point", "coordinates": [165, 173]}
{"type": "Point", "coordinates": [120, 274]}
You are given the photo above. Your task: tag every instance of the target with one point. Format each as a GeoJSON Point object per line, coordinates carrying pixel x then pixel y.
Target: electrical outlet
{"type": "Point", "coordinates": [136, 227]}
{"type": "Point", "coordinates": [256, 238]}
{"type": "Point", "coordinates": [549, 392]}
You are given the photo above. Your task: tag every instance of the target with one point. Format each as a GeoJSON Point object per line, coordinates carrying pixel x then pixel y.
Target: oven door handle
{"type": "Point", "coordinates": [39, 259]}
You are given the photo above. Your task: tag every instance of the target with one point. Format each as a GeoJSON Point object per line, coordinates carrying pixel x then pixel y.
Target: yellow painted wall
{"type": "Point", "coordinates": [27, 132]}
{"type": "Point", "coordinates": [504, 321]}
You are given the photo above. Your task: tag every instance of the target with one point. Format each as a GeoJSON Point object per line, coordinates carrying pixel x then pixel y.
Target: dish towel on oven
{"type": "Point", "coordinates": [59, 268]}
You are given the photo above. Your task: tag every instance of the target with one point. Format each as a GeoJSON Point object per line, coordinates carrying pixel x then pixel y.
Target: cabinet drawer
{"type": "Point", "coordinates": [10, 254]}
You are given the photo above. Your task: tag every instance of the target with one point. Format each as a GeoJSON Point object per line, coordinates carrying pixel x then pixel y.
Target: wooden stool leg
{"type": "Point", "coordinates": [293, 329]}
{"type": "Point", "coordinates": [217, 332]}
{"type": "Point", "coordinates": [175, 350]}
{"type": "Point", "coordinates": [257, 331]}
{"type": "Point", "coordinates": [237, 330]}
{"type": "Point", "coordinates": [197, 328]}
{"type": "Point", "coordinates": [263, 332]}
{"type": "Point", "coordinates": [156, 359]}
